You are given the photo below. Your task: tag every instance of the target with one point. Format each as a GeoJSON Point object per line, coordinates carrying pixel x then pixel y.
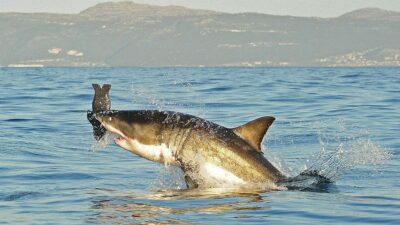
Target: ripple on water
{"type": "Point", "coordinates": [20, 195]}
{"type": "Point", "coordinates": [52, 176]}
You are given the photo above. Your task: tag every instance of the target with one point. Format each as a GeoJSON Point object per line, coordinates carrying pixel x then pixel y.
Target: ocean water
{"type": "Point", "coordinates": [343, 121]}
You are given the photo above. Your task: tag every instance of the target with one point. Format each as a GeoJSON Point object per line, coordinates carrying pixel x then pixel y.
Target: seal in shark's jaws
{"type": "Point", "coordinates": [101, 102]}
{"type": "Point", "coordinates": [209, 154]}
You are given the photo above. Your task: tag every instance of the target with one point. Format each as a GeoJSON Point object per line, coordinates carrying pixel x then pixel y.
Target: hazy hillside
{"type": "Point", "coordinates": [129, 34]}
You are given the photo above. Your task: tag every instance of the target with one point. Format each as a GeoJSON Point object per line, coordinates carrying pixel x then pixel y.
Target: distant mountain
{"type": "Point", "coordinates": [130, 34]}
{"type": "Point", "coordinates": [372, 14]}
{"type": "Point", "coordinates": [131, 9]}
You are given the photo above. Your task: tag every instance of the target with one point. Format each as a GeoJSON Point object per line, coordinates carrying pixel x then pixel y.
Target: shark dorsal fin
{"type": "Point", "coordinates": [254, 131]}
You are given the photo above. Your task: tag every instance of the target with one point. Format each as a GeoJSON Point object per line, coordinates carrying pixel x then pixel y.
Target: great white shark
{"type": "Point", "coordinates": [209, 154]}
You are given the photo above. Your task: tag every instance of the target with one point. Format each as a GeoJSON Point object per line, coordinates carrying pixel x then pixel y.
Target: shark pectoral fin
{"type": "Point", "coordinates": [190, 183]}
{"type": "Point", "coordinates": [254, 131]}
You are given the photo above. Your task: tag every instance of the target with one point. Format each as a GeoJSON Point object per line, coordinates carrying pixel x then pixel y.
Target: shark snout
{"type": "Point", "coordinates": [104, 116]}
{"type": "Point", "coordinates": [111, 122]}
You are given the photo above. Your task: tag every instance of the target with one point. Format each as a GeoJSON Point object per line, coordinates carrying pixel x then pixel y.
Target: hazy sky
{"type": "Point", "coordinates": [320, 8]}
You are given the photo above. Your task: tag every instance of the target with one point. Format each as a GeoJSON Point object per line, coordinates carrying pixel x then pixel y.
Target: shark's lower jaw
{"type": "Point", "coordinates": [157, 153]}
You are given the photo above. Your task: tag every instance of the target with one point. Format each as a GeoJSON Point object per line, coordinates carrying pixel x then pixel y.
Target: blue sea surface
{"type": "Point", "coordinates": [345, 121]}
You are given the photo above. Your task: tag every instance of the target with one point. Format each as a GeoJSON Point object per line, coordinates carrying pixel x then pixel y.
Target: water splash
{"type": "Point", "coordinates": [343, 148]}
{"type": "Point", "coordinates": [169, 178]}
{"type": "Point", "coordinates": [348, 155]}
{"type": "Point", "coordinates": [103, 142]}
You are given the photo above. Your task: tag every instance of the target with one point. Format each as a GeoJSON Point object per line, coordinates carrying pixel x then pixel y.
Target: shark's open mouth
{"type": "Point", "coordinates": [119, 139]}
{"type": "Point", "coordinates": [120, 136]}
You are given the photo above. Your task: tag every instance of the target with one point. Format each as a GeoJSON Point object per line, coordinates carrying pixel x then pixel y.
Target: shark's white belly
{"type": "Point", "coordinates": [158, 153]}
{"type": "Point", "coordinates": [208, 174]}
{"type": "Point", "coordinates": [215, 176]}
